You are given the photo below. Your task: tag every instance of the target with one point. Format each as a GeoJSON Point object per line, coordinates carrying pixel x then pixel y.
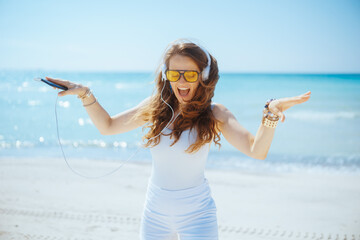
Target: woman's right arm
{"type": "Point", "coordinates": [103, 122]}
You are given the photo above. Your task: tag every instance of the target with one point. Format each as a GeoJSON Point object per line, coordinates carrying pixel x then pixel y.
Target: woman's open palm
{"type": "Point", "coordinates": [73, 88]}
{"type": "Point", "coordinates": [278, 106]}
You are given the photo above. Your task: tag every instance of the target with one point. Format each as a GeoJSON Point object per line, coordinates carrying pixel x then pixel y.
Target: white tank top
{"type": "Point", "coordinates": [172, 167]}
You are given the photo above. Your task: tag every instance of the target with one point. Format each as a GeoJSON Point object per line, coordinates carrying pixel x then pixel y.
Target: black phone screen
{"type": "Point", "coordinates": [53, 84]}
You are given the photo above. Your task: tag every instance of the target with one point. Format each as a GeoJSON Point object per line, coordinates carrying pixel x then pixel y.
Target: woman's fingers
{"type": "Point", "coordinates": [286, 103]}
{"type": "Point", "coordinates": [72, 91]}
{"type": "Point", "coordinates": [278, 106]}
{"type": "Point", "coordinates": [59, 81]}
{"type": "Point", "coordinates": [303, 98]}
{"type": "Point", "coordinates": [305, 95]}
{"type": "Point", "coordinates": [62, 93]}
{"type": "Point", "coordinates": [278, 113]}
{"type": "Point", "coordinates": [73, 88]}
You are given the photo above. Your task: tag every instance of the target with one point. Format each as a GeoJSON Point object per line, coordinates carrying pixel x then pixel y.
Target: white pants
{"type": "Point", "coordinates": [189, 213]}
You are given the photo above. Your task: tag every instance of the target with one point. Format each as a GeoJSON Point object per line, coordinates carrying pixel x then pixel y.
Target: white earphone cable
{"type": "Point", "coordinates": [117, 168]}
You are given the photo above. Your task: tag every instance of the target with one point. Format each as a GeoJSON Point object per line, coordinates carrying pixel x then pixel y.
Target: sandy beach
{"type": "Point", "coordinates": [43, 199]}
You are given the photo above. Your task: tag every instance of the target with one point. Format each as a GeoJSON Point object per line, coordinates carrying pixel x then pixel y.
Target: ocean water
{"type": "Point", "coordinates": [322, 134]}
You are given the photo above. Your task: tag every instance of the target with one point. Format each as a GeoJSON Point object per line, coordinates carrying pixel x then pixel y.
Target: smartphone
{"type": "Point", "coordinates": [51, 83]}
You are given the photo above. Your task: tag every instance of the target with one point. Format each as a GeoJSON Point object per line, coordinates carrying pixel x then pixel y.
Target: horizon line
{"type": "Point", "coordinates": [153, 72]}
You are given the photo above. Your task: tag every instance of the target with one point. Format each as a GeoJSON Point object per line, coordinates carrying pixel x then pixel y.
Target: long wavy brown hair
{"type": "Point", "coordinates": [196, 114]}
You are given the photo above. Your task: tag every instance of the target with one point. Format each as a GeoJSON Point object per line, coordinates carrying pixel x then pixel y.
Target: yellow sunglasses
{"type": "Point", "coordinates": [189, 75]}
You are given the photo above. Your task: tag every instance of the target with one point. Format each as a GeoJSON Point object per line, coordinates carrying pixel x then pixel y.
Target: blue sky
{"type": "Point", "coordinates": [244, 36]}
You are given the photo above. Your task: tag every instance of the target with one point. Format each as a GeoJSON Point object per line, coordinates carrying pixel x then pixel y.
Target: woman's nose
{"type": "Point", "coordinates": [182, 79]}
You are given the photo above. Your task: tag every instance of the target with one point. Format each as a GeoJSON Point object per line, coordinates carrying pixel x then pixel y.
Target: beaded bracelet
{"type": "Point", "coordinates": [269, 119]}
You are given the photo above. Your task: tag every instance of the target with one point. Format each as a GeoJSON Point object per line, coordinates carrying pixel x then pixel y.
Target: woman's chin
{"type": "Point", "coordinates": [183, 100]}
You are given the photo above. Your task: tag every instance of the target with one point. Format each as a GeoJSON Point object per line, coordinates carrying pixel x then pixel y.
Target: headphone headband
{"type": "Point", "coordinates": [205, 71]}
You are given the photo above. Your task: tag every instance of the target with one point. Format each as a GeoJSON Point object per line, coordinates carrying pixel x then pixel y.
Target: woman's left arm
{"type": "Point", "coordinates": [254, 146]}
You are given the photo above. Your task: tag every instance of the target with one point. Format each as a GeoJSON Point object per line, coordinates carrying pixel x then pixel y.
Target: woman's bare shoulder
{"type": "Point", "coordinates": [221, 113]}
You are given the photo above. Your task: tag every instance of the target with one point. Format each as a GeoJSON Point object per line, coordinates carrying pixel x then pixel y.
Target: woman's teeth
{"type": "Point", "coordinates": [183, 91]}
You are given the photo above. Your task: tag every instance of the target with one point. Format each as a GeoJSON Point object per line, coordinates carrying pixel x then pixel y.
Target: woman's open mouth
{"type": "Point", "coordinates": [183, 91]}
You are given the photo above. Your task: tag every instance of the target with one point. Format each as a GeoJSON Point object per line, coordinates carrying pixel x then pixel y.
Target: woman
{"type": "Point", "coordinates": [182, 123]}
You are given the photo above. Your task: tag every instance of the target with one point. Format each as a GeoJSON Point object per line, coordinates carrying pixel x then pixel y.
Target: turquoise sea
{"type": "Point", "coordinates": [322, 134]}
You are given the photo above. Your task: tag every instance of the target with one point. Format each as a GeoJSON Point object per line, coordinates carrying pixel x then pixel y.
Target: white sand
{"type": "Point", "coordinates": [43, 199]}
